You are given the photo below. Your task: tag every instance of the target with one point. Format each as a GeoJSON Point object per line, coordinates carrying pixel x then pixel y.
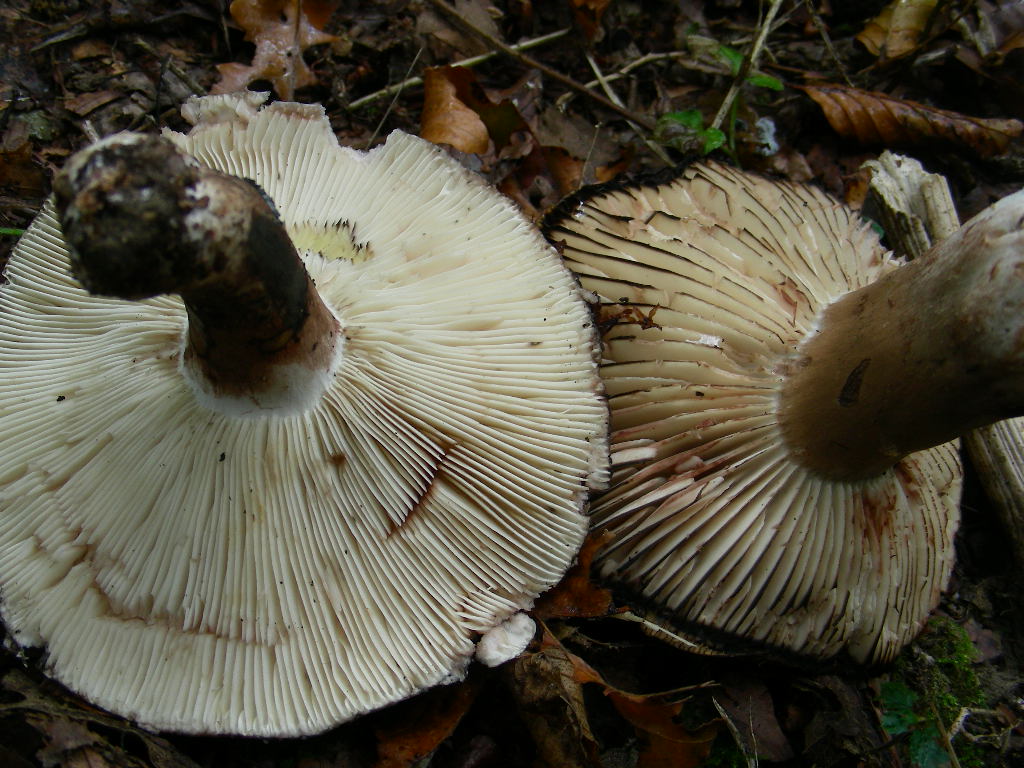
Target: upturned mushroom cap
{"type": "Point", "coordinates": [204, 565]}
{"type": "Point", "coordinates": [709, 284]}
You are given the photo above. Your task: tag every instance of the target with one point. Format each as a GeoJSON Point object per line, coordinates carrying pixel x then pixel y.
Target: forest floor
{"type": "Point", "coordinates": [833, 85]}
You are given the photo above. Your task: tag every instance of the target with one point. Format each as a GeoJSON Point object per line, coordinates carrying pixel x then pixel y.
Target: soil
{"type": "Point", "coordinates": [834, 85]}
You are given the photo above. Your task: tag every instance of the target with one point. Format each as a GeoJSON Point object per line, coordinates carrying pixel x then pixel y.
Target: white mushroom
{"type": "Point", "coordinates": [284, 500]}
{"type": "Point", "coordinates": [775, 382]}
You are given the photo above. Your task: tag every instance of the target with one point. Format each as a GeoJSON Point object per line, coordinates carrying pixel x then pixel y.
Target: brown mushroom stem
{"type": "Point", "coordinates": [931, 350]}
{"type": "Point", "coordinates": [143, 219]}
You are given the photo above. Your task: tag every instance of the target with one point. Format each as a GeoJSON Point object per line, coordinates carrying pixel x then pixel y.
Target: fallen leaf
{"type": "Point", "coordinates": [995, 29]}
{"type": "Point", "coordinates": [62, 738]}
{"type": "Point", "coordinates": [749, 706]}
{"type": "Point", "coordinates": [837, 724]}
{"type": "Point", "coordinates": [447, 42]}
{"type": "Point", "coordinates": [550, 703]}
{"type": "Point", "coordinates": [898, 29]}
{"type": "Point", "coordinates": [281, 30]}
{"type": "Point", "coordinates": [18, 169]}
{"type": "Point", "coordinates": [878, 119]}
{"type": "Point", "coordinates": [446, 119]}
{"type": "Point", "coordinates": [656, 717]}
{"type": "Point", "coordinates": [91, 49]}
{"type": "Point", "coordinates": [669, 744]}
{"type": "Point", "coordinates": [588, 14]}
{"type": "Point", "coordinates": [84, 103]}
{"type": "Point", "coordinates": [62, 721]}
{"type": "Point", "coordinates": [576, 596]}
{"type": "Point", "coordinates": [409, 732]}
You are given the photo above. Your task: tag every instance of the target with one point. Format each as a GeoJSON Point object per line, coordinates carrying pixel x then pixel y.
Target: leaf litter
{"type": "Point", "coordinates": [592, 689]}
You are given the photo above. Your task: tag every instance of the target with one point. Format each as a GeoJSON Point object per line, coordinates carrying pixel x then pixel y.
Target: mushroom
{"type": "Point", "coordinates": [783, 394]}
{"type": "Point", "coordinates": [260, 488]}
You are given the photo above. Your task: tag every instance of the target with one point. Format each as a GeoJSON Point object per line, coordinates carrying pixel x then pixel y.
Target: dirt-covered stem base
{"type": "Point", "coordinates": [142, 219]}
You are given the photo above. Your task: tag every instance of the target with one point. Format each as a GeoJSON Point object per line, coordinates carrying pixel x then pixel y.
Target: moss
{"type": "Point", "coordinates": [940, 669]}
{"type": "Point", "coordinates": [953, 682]}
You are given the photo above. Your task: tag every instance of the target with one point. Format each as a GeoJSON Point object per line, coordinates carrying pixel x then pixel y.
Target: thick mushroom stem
{"type": "Point", "coordinates": [929, 351]}
{"type": "Point", "coordinates": [143, 219]}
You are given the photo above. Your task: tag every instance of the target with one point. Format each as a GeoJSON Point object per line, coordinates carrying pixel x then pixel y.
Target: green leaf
{"type": "Point", "coordinates": [689, 118]}
{"type": "Point", "coordinates": [10, 232]}
{"type": "Point", "coordinates": [926, 749]}
{"type": "Point", "coordinates": [762, 80]}
{"type": "Point", "coordinates": [897, 702]}
{"type": "Point", "coordinates": [713, 139]}
{"type": "Point", "coordinates": [732, 57]}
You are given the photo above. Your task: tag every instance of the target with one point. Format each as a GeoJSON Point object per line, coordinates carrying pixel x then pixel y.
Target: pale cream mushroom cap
{"type": "Point", "coordinates": [709, 283]}
{"type": "Point", "coordinates": [214, 567]}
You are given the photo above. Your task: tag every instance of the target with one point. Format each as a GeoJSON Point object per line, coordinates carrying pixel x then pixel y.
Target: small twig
{"type": "Point", "coordinates": [823, 31]}
{"type": "Point", "coordinates": [391, 106]}
{"type": "Point", "coordinates": [946, 743]}
{"type": "Point", "coordinates": [173, 68]}
{"type": "Point", "coordinates": [91, 134]}
{"type": "Point", "coordinates": [749, 63]}
{"type": "Point", "coordinates": [682, 58]}
{"type": "Point", "coordinates": [470, 62]}
{"type": "Point", "coordinates": [610, 93]}
{"type": "Point", "coordinates": [588, 160]}
{"type": "Point", "coordinates": [554, 74]}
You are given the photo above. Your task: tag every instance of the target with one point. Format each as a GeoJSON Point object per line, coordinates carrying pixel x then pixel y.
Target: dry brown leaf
{"type": "Point", "coordinates": [62, 737]}
{"type": "Point", "coordinates": [550, 703]}
{"type": "Point", "coordinates": [874, 118]}
{"type": "Point", "coordinates": [411, 731]}
{"type": "Point", "coordinates": [281, 30]}
{"type": "Point", "coordinates": [668, 743]}
{"type": "Point", "coordinates": [994, 29]}
{"type": "Point", "coordinates": [749, 705]}
{"type": "Point", "coordinates": [91, 49]}
{"type": "Point", "coordinates": [897, 30]}
{"type": "Point", "coordinates": [588, 14]}
{"type": "Point", "coordinates": [656, 717]}
{"type": "Point", "coordinates": [576, 596]}
{"type": "Point", "coordinates": [61, 726]}
{"type": "Point", "coordinates": [446, 119]}
{"type": "Point", "coordinates": [447, 42]}
{"type": "Point", "coordinates": [18, 170]}
{"type": "Point", "coordinates": [84, 103]}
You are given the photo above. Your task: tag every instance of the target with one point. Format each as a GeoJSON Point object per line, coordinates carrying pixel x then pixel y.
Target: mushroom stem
{"type": "Point", "coordinates": [929, 351]}
{"type": "Point", "coordinates": [143, 219]}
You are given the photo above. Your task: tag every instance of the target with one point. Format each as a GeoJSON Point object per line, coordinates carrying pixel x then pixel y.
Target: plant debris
{"type": "Point", "coordinates": [608, 90]}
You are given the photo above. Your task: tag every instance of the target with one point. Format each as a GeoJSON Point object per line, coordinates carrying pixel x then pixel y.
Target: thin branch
{"type": "Point", "coordinates": [749, 63]}
{"type": "Point", "coordinates": [412, 82]}
{"type": "Point", "coordinates": [391, 106]}
{"type": "Point", "coordinates": [173, 68]}
{"type": "Point", "coordinates": [553, 74]}
{"type": "Point", "coordinates": [610, 93]}
{"type": "Point", "coordinates": [682, 58]}
{"type": "Point", "coordinates": [823, 31]}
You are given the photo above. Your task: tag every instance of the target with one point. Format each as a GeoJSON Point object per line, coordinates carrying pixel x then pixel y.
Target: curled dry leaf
{"type": "Point", "coordinates": [446, 119]}
{"type": "Point", "coordinates": [549, 698]}
{"type": "Point", "coordinates": [994, 29]}
{"type": "Point", "coordinates": [281, 30]}
{"type": "Point", "coordinates": [588, 15]}
{"type": "Point", "coordinates": [898, 29]}
{"type": "Point", "coordinates": [460, 112]}
{"type": "Point", "coordinates": [656, 717]}
{"type": "Point", "coordinates": [874, 118]}
{"type": "Point", "coordinates": [456, 108]}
